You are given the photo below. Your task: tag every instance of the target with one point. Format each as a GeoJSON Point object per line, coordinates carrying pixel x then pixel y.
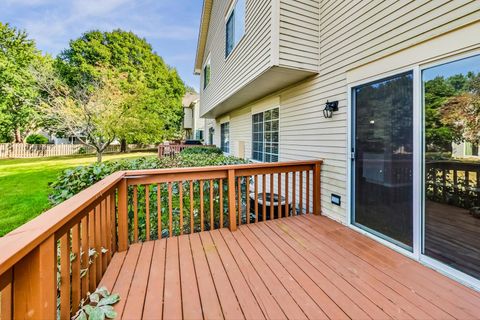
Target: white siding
{"type": "Point", "coordinates": [299, 34]}
{"type": "Point", "coordinates": [355, 34]}
{"type": "Point", "coordinates": [250, 58]}
{"type": "Point", "coordinates": [278, 33]}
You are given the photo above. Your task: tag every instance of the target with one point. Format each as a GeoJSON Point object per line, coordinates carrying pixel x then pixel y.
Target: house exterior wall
{"type": "Point", "coordinates": [278, 34]}
{"type": "Point", "coordinates": [299, 40]}
{"type": "Point", "coordinates": [251, 57]}
{"type": "Point", "coordinates": [358, 39]}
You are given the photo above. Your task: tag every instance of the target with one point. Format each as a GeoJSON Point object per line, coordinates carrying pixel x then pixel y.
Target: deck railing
{"type": "Point", "coordinates": [453, 182]}
{"type": "Point", "coordinates": [169, 150]}
{"type": "Point", "coordinates": [48, 265]}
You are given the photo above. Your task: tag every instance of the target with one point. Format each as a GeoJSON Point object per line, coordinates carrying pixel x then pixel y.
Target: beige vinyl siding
{"type": "Point", "coordinates": [356, 34]}
{"type": "Point", "coordinates": [299, 40]}
{"type": "Point", "coordinates": [250, 58]}
{"type": "Point", "coordinates": [240, 132]}
{"type": "Point", "coordinates": [352, 34]}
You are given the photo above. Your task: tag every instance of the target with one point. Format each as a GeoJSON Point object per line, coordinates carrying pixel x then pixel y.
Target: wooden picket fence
{"type": "Point", "coordinates": [24, 150]}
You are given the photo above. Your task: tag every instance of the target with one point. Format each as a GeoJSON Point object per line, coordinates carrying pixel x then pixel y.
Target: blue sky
{"type": "Point", "coordinates": [171, 26]}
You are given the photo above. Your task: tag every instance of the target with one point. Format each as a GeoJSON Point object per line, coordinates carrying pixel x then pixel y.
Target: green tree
{"type": "Point", "coordinates": [158, 88]}
{"type": "Point", "coordinates": [95, 112]}
{"type": "Point", "coordinates": [17, 87]}
{"type": "Point", "coordinates": [462, 111]}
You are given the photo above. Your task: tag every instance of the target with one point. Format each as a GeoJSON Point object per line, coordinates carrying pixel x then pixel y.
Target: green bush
{"type": "Point", "coordinates": [202, 150]}
{"type": "Point", "coordinates": [36, 139]}
{"type": "Point", "coordinates": [72, 181]}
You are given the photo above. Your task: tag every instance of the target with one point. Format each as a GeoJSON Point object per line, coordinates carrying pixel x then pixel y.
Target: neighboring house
{"type": "Point", "coordinates": [196, 128]}
{"type": "Point", "coordinates": [465, 150]}
{"type": "Point", "coordinates": [53, 139]}
{"type": "Point", "coordinates": [269, 67]}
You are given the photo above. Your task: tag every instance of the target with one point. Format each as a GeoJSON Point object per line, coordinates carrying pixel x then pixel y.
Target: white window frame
{"type": "Point", "coordinates": [208, 62]}
{"type": "Point", "coordinates": [227, 17]}
{"type": "Point", "coordinates": [222, 135]}
{"type": "Point", "coordinates": [263, 135]}
{"type": "Point", "coordinates": [418, 168]}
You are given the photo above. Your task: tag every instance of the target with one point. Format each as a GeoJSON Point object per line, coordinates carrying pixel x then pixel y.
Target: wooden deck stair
{"type": "Point", "coordinates": [297, 267]}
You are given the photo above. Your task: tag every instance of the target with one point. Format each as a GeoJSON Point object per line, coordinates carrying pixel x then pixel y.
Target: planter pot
{"type": "Point", "coordinates": [275, 202]}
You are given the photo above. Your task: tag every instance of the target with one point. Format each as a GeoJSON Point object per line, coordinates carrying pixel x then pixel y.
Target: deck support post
{"type": "Point", "coordinates": [232, 217]}
{"type": "Point", "coordinates": [316, 189]}
{"type": "Point", "coordinates": [122, 216]}
{"type": "Point", "coordinates": [35, 286]}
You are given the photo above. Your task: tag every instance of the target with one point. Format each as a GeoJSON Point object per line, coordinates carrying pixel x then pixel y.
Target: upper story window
{"type": "Point", "coordinates": [206, 73]}
{"type": "Point", "coordinates": [235, 27]}
{"type": "Point", "coordinates": [225, 137]}
{"type": "Point", "coordinates": [265, 127]}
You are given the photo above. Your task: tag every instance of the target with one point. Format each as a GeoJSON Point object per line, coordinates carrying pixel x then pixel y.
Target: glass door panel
{"type": "Point", "coordinates": [383, 158]}
{"type": "Point", "coordinates": [452, 165]}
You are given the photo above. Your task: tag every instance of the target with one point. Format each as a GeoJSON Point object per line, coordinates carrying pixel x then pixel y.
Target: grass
{"type": "Point", "coordinates": [24, 185]}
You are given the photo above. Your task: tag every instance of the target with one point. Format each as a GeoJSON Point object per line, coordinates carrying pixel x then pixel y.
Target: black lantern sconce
{"type": "Point", "coordinates": [330, 107]}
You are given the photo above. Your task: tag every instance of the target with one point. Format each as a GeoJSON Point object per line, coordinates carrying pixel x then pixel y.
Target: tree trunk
{"type": "Point", "coordinates": [18, 136]}
{"type": "Point", "coordinates": [123, 145]}
{"type": "Point", "coordinates": [99, 156]}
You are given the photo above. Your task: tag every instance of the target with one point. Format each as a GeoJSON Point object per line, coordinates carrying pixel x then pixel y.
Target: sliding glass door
{"type": "Point", "coordinates": [382, 158]}
{"type": "Point", "coordinates": [451, 232]}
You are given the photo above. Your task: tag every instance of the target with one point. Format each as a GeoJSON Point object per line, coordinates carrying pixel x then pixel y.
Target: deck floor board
{"type": "Point", "coordinates": [296, 267]}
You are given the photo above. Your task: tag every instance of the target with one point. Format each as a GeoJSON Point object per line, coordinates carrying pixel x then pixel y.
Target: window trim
{"type": "Point", "coordinates": [263, 133]}
{"type": "Point", "coordinates": [230, 12]}
{"type": "Point", "coordinates": [208, 62]}
{"type": "Point", "coordinates": [417, 67]}
{"type": "Point", "coordinates": [222, 135]}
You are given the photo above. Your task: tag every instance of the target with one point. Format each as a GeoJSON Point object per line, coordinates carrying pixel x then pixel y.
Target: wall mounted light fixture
{"type": "Point", "coordinates": [330, 107]}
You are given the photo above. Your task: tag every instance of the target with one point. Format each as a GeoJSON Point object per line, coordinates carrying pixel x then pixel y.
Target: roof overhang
{"type": "Point", "coordinates": [202, 35]}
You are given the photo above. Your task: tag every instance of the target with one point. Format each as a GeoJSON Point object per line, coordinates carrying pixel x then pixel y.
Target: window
{"type": "Point", "coordinates": [451, 92]}
{"type": "Point", "coordinates": [199, 135]}
{"type": "Point", "coordinates": [235, 27]}
{"type": "Point", "coordinates": [265, 136]}
{"type": "Point", "coordinates": [206, 73]}
{"type": "Point", "coordinates": [225, 137]}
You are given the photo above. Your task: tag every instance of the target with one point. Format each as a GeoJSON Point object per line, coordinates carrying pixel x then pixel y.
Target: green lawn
{"type": "Point", "coordinates": [24, 186]}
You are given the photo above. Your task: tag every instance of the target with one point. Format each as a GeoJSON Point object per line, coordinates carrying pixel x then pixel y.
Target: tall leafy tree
{"type": "Point", "coordinates": [462, 111]}
{"type": "Point", "coordinates": [158, 87]}
{"type": "Point", "coordinates": [94, 112]}
{"type": "Point", "coordinates": [17, 87]}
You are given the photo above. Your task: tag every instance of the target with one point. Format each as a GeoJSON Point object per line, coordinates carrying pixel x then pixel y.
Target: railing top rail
{"type": "Point", "coordinates": [17, 244]}
{"type": "Point", "coordinates": [137, 173]}
{"type": "Point", "coordinates": [20, 242]}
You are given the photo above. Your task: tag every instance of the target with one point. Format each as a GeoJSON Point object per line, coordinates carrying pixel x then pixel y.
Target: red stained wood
{"type": "Point", "coordinates": [153, 308]}
{"type": "Point", "coordinates": [125, 277]}
{"type": "Point", "coordinates": [172, 295]}
{"type": "Point", "coordinates": [208, 295]}
{"type": "Point", "coordinates": [191, 305]}
{"type": "Point", "coordinates": [230, 306]}
{"type": "Point", "coordinates": [298, 267]}
{"type": "Point", "coordinates": [138, 288]}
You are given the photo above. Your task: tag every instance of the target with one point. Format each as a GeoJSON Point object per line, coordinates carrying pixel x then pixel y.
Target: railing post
{"type": "Point", "coordinates": [316, 189]}
{"type": "Point", "coordinates": [6, 303]}
{"type": "Point", "coordinates": [122, 215]}
{"type": "Point", "coordinates": [35, 283]}
{"type": "Point", "coordinates": [231, 201]}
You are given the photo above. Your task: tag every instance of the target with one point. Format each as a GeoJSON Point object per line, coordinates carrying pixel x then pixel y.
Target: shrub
{"type": "Point", "coordinates": [36, 139]}
{"type": "Point", "coordinates": [202, 150]}
{"type": "Point", "coordinates": [82, 150]}
{"type": "Point", "coordinates": [72, 181]}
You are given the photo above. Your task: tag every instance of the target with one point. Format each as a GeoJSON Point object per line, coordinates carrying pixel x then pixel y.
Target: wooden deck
{"type": "Point", "coordinates": [297, 267]}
